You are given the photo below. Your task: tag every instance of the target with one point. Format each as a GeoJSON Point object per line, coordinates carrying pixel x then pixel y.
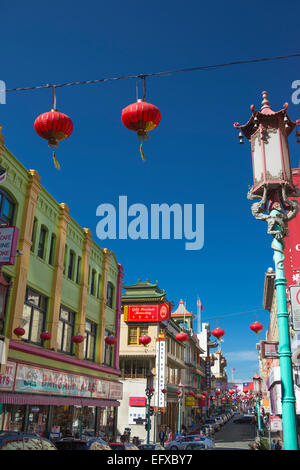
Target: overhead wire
{"type": "Point", "coordinates": [156, 74]}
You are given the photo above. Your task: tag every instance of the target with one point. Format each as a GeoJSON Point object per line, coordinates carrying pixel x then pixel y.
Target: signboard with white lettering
{"type": "Point", "coordinates": [276, 423]}
{"type": "Point", "coordinates": [7, 379]}
{"type": "Point", "coordinates": [295, 306]}
{"type": "Point", "coordinates": [8, 245]}
{"type": "Point", "coordinates": [45, 381]}
{"type": "Point", "coordinates": [159, 398]}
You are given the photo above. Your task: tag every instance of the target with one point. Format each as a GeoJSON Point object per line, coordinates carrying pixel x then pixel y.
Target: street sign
{"type": "Point", "coordinates": [295, 306]}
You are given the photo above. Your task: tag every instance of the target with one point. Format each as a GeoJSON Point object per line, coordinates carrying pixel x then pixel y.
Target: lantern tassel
{"type": "Point", "coordinates": [56, 164]}
{"type": "Point", "coordinates": [142, 153]}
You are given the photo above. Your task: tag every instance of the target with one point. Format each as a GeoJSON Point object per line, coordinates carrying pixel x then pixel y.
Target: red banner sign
{"type": "Point", "coordinates": [147, 313]}
{"type": "Point", "coordinates": [292, 244]}
{"type": "Point", "coordinates": [137, 401]}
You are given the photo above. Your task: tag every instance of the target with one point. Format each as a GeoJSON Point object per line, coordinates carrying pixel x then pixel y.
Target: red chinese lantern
{"type": "Point", "coordinates": [231, 392]}
{"type": "Point", "coordinates": [213, 398]}
{"type": "Point", "coordinates": [256, 327]}
{"type": "Point", "coordinates": [53, 126]}
{"type": "Point", "coordinates": [218, 392]}
{"type": "Point", "coordinates": [141, 117]}
{"type": "Point", "coordinates": [223, 399]}
{"type": "Point", "coordinates": [77, 339]}
{"type": "Point", "coordinates": [218, 332]}
{"type": "Point", "coordinates": [182, 336]}
{"type": "Point", "coordinates": [110, 340]}
{"type": "Point", "coordinates": [144, 340]}
{"type": "Point", "coordinates": [45, 335]}
{"type": "Point", "coordinates": [19, 331]}
{"type": "Point", "coordinates": [178, 392]}
{"type": "Point", "coordinates": [164, 390]}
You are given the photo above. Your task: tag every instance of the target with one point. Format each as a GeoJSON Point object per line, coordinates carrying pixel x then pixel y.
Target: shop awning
{"type": "Point", "coordinates": [27, 399]}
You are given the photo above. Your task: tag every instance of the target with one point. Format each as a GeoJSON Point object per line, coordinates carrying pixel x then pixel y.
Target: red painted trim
{"type": "Point", "coordinates": [54, 356]}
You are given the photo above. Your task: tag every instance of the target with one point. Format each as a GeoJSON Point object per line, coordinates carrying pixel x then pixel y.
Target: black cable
{"type": "Point", "coordinates": [158, 74]}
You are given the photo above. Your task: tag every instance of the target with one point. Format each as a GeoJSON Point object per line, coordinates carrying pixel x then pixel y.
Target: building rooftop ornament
{"type": "Point", "coordinates": [181, 311]}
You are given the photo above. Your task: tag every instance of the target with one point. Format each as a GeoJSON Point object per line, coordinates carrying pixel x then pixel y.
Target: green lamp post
{"type": "Point", "coordinates": [149, 394]}
{"type": "Point", "coordinates": [268, 133]}
{"type": "Point", "coordinates": [257, 394]}
{"type": "Point", "coordinates": [180, 398]}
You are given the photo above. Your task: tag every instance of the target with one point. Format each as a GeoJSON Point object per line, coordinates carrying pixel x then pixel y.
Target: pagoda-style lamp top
{"type": "Point", "coordinates": [268, 133]}
{"type": "Point", "coordinates": [149, 377]}
{"type": "Point", "coordinates": [256, 383]}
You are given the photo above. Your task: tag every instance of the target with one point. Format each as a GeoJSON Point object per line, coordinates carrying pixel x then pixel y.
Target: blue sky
{"type": "Point", "coordinates": [193, 157]}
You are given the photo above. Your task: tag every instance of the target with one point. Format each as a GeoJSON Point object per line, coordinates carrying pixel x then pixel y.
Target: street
{"type": "Point", "coordinates": [234, 436]}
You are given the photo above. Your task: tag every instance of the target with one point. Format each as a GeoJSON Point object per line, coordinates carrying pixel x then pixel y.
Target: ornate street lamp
{"type": "Point", "coordinates": [149, 394]}
{"type": "Point", "coordinates": [268, 133]}
{"type": "Point", "coordinates": [257, 393]}
{"type": "Point", "coordinates": [180, 395]}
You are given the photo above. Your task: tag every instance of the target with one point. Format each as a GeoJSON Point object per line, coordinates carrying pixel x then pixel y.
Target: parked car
{"type": "Point", "coordinates": [151, 447]}
{"type": "Point", "coordinates": [182, 441]}
{"type": "Point", "coordinates": [122, 446]}
{"type": "Point", "coordinates": [214, 424]}
{"type": "Point", "coordinates": [10, 440]}
{"type": "Point", "coordinates": [195, 446]}
{"type": "Point", "coordinates": [72, 443]}
{"type": "Point", "coordinates": [208, 429]}
{"type": "Point", "coordinates": [243, 419]}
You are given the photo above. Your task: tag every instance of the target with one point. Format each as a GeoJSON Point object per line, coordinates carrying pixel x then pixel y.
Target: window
{"type": "Point", "coordinates": [99, 287]}
{"type": "Point", "coordinates": [52, 249]}
{"type": "Point", "coordinates": [135, 332]}
{"type": "Point", "coordinates": [93, 282]}
{"type": "Point", "coordinates": [78, 273]}
{"type": "Point", "coordinates": [33, 235]}
{"type": "Point", "coordinates": [7, 208]}
{"type": "Point", "coordinates": [110, 293]}
{"type": "Point", "coordinates": [108, 351]}
{"type": "Point", "coordinates": [90, 340]}
{"type": "Point", "coordinates": [65, 330]}
{"type": "Point", "coordinates": [34, 316]}
{"type": "Point", "coordinates": [71, 265]}
{"type": "Point", "coordinates": [134, 368]}
{"type": "Point", "coordinates": [42, 242]}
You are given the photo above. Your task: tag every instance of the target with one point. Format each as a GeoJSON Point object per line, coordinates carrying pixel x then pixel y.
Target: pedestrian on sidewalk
{"type": "Point", "coordinates": [277, 446]}
{"type": "Point", "coordinates": [161, 437]}
{"type": "Point", "coordinates": [273, 445]}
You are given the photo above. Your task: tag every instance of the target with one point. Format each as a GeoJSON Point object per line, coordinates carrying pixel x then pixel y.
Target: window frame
{"type": "Point", "coordinates": [138, 329]}
{"type": "Point", "coordinates": [43, 244]}
{"type": "Point", "coordinates": [4, 220]}
{"type": "Point", "coordinates": [33, 308]}
{"type": "Point", "coordinates": [64, 322]}
{"type": "Point", "coordinates": [110, 298]}
{"type": "Point", "coordinates": [88, 334]}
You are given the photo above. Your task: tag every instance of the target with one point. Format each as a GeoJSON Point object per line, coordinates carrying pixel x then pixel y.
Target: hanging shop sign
{"type": "Point", "coordinates": [44, 381]}
{"type": "Point", "coordinates": [147, 313]}
{"type": "Point", "coordinates": [7, 379]}
{"type": "Point", "coordinates": [295, 306]}
{"type": "Point", "coordinates": [276, 423]}
{"type": "Point", "coordinates": [8, 245]}
{"type": "Point", "coordinates": [207, 373]}
{"type": "Point", "coordinates": [159, 397]}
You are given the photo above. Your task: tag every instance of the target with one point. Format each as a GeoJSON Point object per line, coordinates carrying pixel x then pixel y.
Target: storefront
{"type": "Point", "coordinates": [55, 403]}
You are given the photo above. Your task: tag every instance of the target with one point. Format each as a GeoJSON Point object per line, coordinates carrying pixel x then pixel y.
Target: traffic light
{"type": "Point", "coordinates": [151, 411]}
{"type": "Point", "coordinates": [146, 426]}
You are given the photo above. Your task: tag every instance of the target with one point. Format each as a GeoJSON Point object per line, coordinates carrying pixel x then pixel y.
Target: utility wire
{"type": "Point", "coordinates": [233, 314]}
{"type": "Point", "coordinates": [158, 74]}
